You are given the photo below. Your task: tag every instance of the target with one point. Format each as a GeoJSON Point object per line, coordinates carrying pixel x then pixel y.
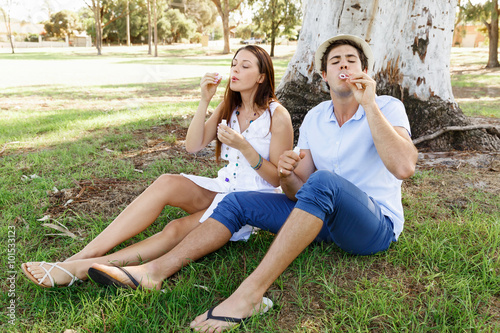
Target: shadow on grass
{"type": "Point", "coordinates": [106, 92]}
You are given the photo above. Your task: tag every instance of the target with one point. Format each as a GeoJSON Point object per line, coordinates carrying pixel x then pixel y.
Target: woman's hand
{"type": "Point", "coordinates": [209, 83]}
{"type": "Point", "coordinates": [230, 137]}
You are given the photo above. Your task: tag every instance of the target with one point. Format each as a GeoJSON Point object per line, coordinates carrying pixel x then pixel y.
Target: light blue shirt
{"type": "Point", "coordinates": [350, 152]}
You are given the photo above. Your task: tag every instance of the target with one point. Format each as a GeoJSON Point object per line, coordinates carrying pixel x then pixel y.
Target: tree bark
{"type": "Point", "coordinates": [98, 26]}
{"type": "Point", "coordinates": [224, 8]}
{"type": "Point", "coordinates": [493, 37]}
{"type": "Point", "coordinates": [150, 27]}
{"type": "Point", "coordinates": [128, 23]}
{"type": "Point", "coordinates": [411, 42]}
{"type": "Point", "coordinates": [6, 17]}
{"type": "Point", "coordinates": [155, 26]}
{"type": "Point", "coordinates": [225, 27]}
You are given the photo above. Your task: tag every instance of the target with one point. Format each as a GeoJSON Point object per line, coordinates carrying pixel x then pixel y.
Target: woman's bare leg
{"type": "Point", "coordinates": [146, 250]}
{"type": "Point", "coordinates": [172, 190]}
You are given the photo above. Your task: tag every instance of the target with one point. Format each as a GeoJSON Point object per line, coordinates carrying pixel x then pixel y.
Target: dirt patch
{"type": "Point", "coordinates": [107, 196]}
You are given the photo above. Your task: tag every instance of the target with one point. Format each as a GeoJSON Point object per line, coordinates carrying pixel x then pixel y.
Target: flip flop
{"type": "Point", "coordinates": [267, 304]}
{"type": "Point", "coordinates": [27, 273]}
{"type": "Point", "coordinates": [108, 280]}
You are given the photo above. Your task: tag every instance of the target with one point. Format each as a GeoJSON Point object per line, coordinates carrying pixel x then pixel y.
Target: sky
{"type": "Point", "coordinates": [36, 10]}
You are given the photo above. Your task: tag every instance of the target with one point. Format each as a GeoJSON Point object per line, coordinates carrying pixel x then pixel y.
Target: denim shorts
{"type": "Point", "coordinates": [351, 219]}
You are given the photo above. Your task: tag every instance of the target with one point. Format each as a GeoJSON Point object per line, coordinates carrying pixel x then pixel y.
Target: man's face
{"type": "Point", "coordinates": [343, 59]}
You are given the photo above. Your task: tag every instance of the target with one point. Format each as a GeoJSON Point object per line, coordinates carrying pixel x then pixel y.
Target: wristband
{"type": "Point", "coordinates": [259, 164]}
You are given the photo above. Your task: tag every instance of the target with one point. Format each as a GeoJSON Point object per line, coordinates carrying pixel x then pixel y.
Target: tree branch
{"type": "Point", "coordinates": [450, 129]}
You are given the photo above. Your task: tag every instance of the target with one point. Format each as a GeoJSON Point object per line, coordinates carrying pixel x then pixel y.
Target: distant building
{"type": "Point", "coordinates": [80, 39]}
{"type": "Point", "coordinates": [468, 36]}
{"type": "Point", "coordinates": [20, 30]}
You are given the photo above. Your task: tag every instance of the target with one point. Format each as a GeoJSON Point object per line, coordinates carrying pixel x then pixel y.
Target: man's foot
{"type": "Point", "coordinates": [133, 276]}
{"type": "Point", "coordinates": [49, 275]}
{"type": "Point", "coordinates": [229, 313]}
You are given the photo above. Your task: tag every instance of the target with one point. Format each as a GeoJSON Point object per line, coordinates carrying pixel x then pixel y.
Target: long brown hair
{"type": "Point", "coordinates": [265, 92]}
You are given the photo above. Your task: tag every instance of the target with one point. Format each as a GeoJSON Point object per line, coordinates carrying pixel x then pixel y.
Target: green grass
{"type": "Point", "coordinates": [443, 275]}
{"type": "Point", "coordinates": [480, 86]}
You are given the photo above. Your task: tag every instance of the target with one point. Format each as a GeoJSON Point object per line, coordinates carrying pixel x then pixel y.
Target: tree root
{"type": "Point", "coordinates": [451, 129]}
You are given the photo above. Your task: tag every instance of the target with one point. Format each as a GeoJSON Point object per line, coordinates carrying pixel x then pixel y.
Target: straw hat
{"type": "Point", "coordinates": [364, 46]}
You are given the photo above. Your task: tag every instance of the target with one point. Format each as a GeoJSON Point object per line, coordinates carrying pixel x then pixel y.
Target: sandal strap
{"type": "Point", "coordinates": [134, 281]}
{"type": "Point", "coordinates": [55, 265]}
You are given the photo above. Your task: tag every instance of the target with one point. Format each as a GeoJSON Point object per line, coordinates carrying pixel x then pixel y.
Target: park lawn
{"type": "Point", "coordinates": [475, 88]}
{"type": "Point", "coordinates": [443, 275]}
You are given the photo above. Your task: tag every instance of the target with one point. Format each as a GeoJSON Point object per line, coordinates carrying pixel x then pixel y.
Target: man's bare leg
{"type": "Point", "coordinates": [173, 190]}
{"type": "Point", "coordinates": [148, 249]}
{"type": "Point", "coordinates": [297, 233]}
{"type": "Point", "coordinates": [206, 238]}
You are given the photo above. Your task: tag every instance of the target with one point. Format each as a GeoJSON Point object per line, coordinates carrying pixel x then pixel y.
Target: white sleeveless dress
{"type": "Point", "coordinates": [238, 174]}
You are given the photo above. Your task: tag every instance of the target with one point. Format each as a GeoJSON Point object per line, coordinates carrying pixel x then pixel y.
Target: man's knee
{"type": "Point", "coordinates": [324, 178]}
{"type": "Point", "coordinates": [318, 194]}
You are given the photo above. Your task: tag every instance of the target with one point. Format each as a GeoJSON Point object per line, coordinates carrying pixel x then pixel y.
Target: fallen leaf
{"type": "Point", "coordinates": [65, 231]}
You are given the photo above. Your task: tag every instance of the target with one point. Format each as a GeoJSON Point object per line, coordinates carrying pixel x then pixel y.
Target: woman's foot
{"type": "Point", "coordinates": [112, 275]}
{"type": "Point", "coordinates": [228, 314]}
{"type": "Point", "coordinates": [49, 275]}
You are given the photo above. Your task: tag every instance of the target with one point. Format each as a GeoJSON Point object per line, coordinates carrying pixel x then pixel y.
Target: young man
{"type": "Point", "coordinates": [345, 187]}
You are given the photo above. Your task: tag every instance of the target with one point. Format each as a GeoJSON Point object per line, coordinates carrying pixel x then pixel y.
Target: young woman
{"type": "Point", "coordinates": [258, 131]}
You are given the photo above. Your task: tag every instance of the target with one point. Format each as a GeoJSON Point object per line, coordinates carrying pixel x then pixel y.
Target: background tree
{"type": "Point", "coordinates": [202, 12]}
{"type": "Point", "coordinates": [105, 12]}
{"type": "Point", "coordinates": [276, 17]}
{"type": "Point", "coordinates": [225, 7]}
{"type": "Point", "coordinates": [177, 25]}
{"type": "Point", "coordinates": [5, 8]}
{"type": "Point", "coordinates": [128, 22]}
{"type": "Point", "coordinates": [63, 23]}
{"type": "Point", "coordinates": [412, 44]}
{"type": "Point", "coordinates": [150, 27]}
{"type": "Point", "coordinates": [482, 13]}
{"type": "Point", "coordinates": [244, 31]}
{"type": "Point", "coordinates": [155, 26]}
{"type": "Point", "coordinates": [116, 31]}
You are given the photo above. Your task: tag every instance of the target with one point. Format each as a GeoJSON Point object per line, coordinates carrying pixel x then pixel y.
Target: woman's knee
{"type": "Point", "coordinates": [165, 180]}
{"type": "Point", "coordinates": [167, 187]}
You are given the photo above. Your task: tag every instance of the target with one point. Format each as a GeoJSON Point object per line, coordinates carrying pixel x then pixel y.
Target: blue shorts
{"type": "Point", "coordinates": [351, 219]}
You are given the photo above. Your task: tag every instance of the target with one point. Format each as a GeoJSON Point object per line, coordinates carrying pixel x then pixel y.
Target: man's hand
{"type": "Point", "coordinates": [288, 162]}
{"type": "Point", "coordinates": [363, 88]}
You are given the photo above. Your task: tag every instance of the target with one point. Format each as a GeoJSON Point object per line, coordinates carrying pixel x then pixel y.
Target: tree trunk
{"type": "Point", "coordinates": [155, 26]}
{"type": "Point", "coordinates": [225, 27]}
{"type": "Point", "coordinates": [411, 41]}
{"type": "Point", "coordinates": [493, 37]}
{"type": "Point", "coordinates": [96, 9]}
{"type": "Point", "coordinates": [150, 28]}
{"type": "Point", "coordinates": [128, 23]}
{"type": "Point", "coordinates": [8, 26]}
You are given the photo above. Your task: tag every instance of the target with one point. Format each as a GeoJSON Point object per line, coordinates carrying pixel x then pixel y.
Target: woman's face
{"type": "Point", "coordinates": [245, 73]}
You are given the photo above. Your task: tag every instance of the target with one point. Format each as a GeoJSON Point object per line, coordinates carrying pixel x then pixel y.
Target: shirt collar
{"type": "Point", "coordinates": [330, 116]}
